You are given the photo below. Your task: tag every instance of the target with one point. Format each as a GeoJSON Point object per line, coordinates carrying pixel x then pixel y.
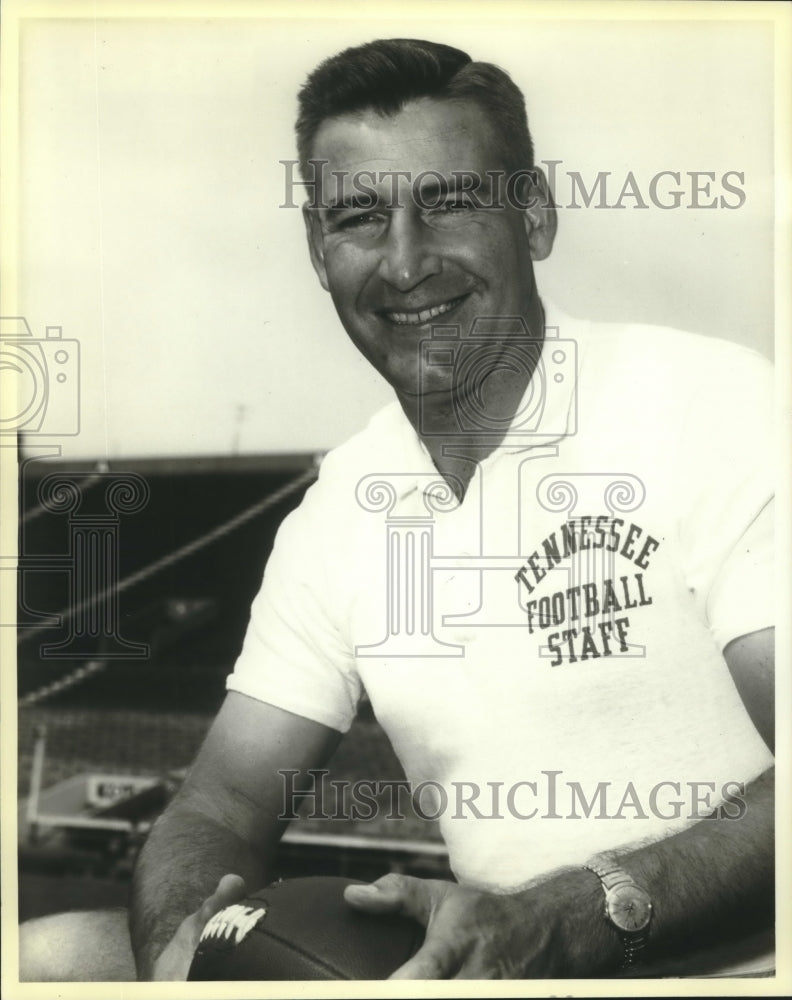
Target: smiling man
{"type": "Point", "coordinates": [586, 588]}
{"type": "Point", "coordinates": [418, 250]}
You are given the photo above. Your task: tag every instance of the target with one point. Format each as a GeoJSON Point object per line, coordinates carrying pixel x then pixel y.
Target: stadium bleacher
{"type": "Point", "coordinates": [146, 716]}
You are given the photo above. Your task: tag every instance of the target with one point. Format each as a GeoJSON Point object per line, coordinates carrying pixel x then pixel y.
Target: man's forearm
{"type": "Point", "coordinates": [185, 855]}
{"type": "Point", "coordinates": [710, 884]}
{"type": "Point", "coordinates": [224, 821]}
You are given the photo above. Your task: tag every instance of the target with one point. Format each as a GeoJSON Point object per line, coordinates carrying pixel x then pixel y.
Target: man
{"type": "Point", "coordinates": [571, 612]}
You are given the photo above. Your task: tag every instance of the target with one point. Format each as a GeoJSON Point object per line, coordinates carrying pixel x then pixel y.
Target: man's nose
{"type": "Point", "coordinates": [408, 254]}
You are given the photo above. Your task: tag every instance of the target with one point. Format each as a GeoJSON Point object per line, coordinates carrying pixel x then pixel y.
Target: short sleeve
{"type": "Point", "coordinates": [294, 655]}
{"type": "Point", "coordinates": [726, 489]}
{"type": "Point", "coordinates": [741, 598]}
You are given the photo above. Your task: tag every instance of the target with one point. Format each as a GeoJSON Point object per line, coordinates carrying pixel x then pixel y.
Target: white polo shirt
{"type": "Point", "coordinates": [546, 656]}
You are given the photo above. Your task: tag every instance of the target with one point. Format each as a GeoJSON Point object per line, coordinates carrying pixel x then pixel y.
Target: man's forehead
{"type": "Point", "coordinates": [425, 134]}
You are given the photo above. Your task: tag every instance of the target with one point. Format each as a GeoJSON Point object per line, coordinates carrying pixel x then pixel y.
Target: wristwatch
{"type": "Point", "coordinates": [628, 907]}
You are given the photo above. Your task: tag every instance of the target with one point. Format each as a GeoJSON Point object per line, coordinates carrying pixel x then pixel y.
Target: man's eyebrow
{"type": "Point", "coordinates": [434, 188]}
{"type": "Point", "coordinates": [430, 188]}
{"type": "Point", "coordinates": [354, 201]}
{"type": "Point", "coordinates": [438, 186]}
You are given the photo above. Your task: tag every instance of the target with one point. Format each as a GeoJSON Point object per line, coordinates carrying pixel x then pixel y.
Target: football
{"type": "Point", "coordinates": [303, 929]}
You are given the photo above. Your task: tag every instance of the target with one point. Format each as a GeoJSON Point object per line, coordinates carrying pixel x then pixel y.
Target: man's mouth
{"type": "Point", "coordinates": [420, 316]}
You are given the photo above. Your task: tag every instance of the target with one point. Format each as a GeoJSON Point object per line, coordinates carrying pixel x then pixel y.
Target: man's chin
{"type": "Point", "coordinates": [425, 393]}
{"type": "Point", "coordinates": [428, 399]}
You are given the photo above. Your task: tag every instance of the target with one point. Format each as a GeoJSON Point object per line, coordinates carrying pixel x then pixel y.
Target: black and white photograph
{"type": "Point", "coordinates": [394, 403]}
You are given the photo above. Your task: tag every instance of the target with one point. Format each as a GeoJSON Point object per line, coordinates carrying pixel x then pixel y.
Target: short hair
{"type": "Point", "coordinates": [385, 74]}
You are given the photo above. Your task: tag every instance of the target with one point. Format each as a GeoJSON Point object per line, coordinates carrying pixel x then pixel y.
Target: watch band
{"type": "Point", "coordinates": [613, 876]}
{"type": "Point", "coordinates": [608, 872]}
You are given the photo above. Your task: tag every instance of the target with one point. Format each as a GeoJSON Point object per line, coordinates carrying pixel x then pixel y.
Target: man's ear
{"type": "Point", "coordinates": [313, 231]}
{"type": "Point", "coordinates": [539, 214]}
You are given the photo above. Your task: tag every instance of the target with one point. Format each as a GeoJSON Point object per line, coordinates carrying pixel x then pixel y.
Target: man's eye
{"type": "Point", "coordinates": [362, 221]}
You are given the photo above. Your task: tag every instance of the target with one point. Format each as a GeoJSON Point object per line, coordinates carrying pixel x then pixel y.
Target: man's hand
{"type": "Point", "coordinates": [174, 962]}
{"type": "Point", "coordinates": [223, 819]}
{"type": "Point", "coordinates": [712, 885]}
{"type": "Point", "coordinates": [469, 934]}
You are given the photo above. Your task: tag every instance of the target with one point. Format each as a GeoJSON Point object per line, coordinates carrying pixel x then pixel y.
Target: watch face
{"type": "Point", "coordinates": [629, 907]}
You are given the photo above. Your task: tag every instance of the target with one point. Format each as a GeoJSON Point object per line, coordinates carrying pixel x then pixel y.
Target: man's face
{"type": "Point", "coordinates": [396, 269]}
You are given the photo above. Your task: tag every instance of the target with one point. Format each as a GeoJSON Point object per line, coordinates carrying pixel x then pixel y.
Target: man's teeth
{"type": "Point", "coordinates": [416, 318]}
